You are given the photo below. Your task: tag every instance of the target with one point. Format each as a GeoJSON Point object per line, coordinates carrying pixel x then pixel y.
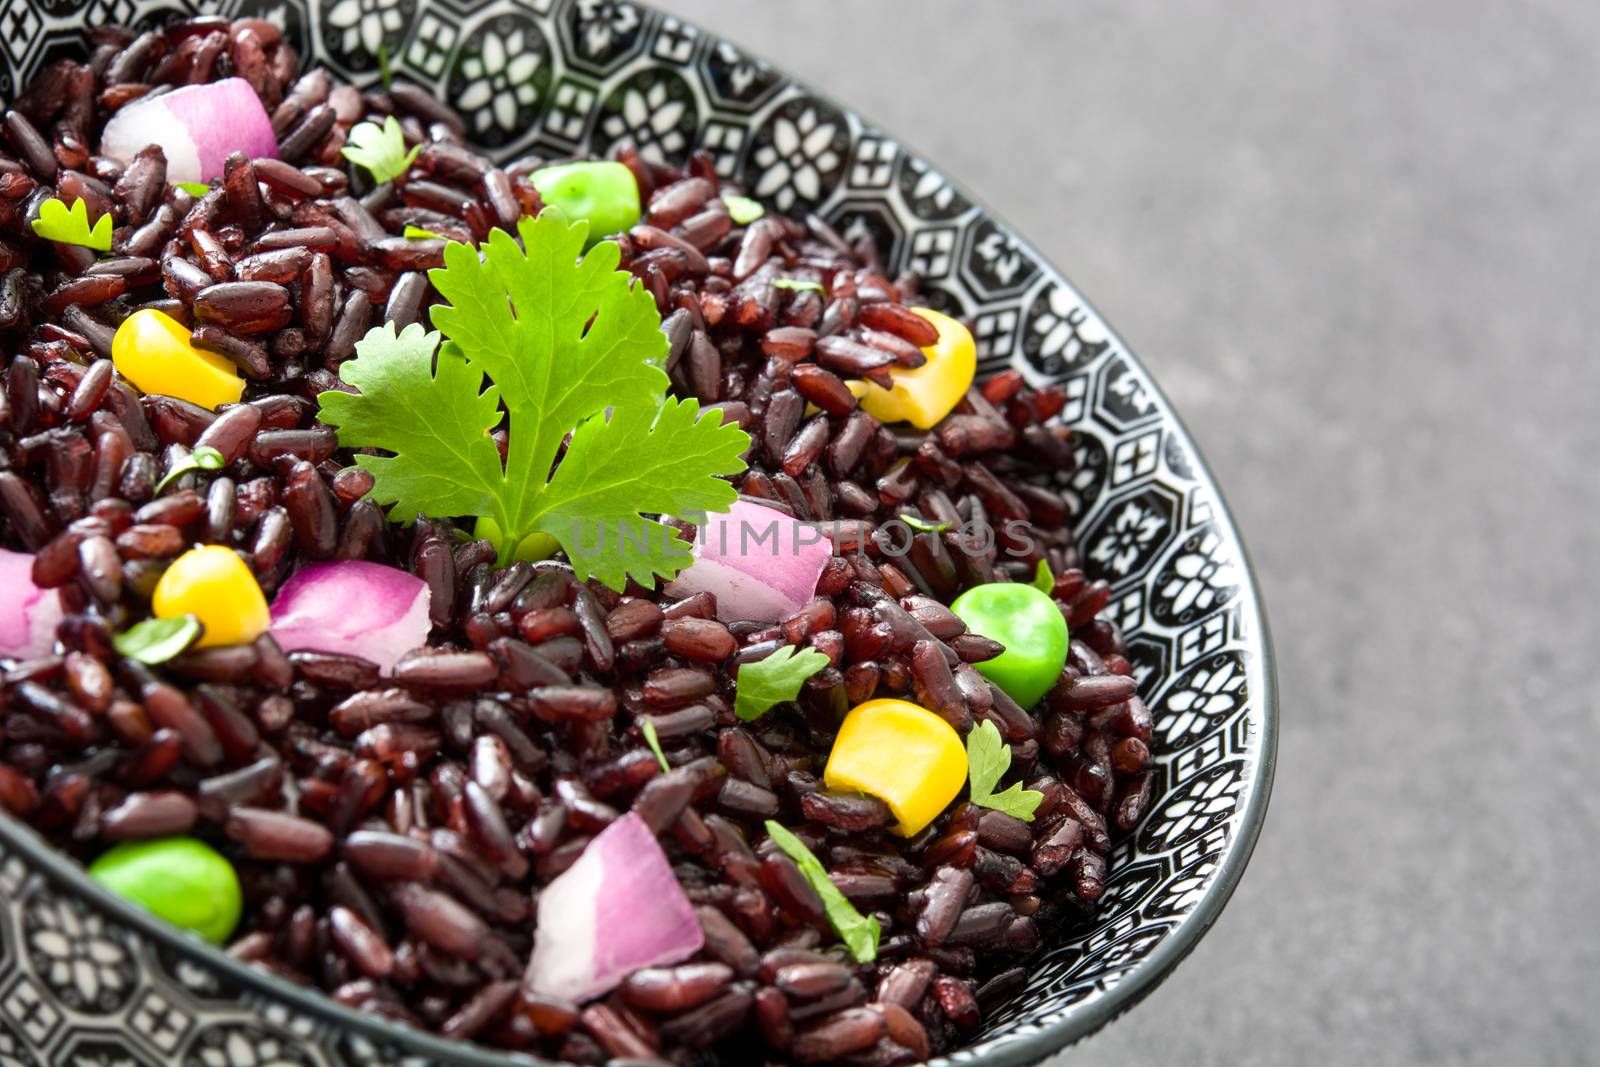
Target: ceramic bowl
{"type": "Point", "coordinates": [89, 981]}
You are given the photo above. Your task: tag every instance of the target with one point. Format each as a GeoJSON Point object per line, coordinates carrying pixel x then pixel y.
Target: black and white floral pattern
{"type": "Point", "coordinates": [356, 30]}
{"type": "Point", "coordinates": [247, 1046]}
{"type": "Point", "coordinates": [76, 953]}
{"type": "Point", "coordinates": [1200, 577]}
{"type": "Point", "coordinates": [1133, 528]}
{"type": "Point", "coordinates": [799, 154]}
{"type": "Point", "coordinates": [498, 78]}
{"type": "Point", "coordinates": [653, 112]}
{"type": "Point", "coordinates": [80, 984]}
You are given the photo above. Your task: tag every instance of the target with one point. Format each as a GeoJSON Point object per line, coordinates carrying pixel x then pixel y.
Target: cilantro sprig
{"type": "Point", "coordinates": [380, 149]}
{"type": "Point", "coordinates": [568, 346]}
{"type": "Point", "coordinates": [155, 641]}
{"type": "Point", "coordinates": [647, 726]}
{"type": "Point", "coordinates": [860, 933]}
{"type": "Point", "coordinates": [742, 210]}
{"type": "Point", "coordinates": [203, 458]}
{"type": "Point", "coordinates": [1044, 579]}
{"type": "Point", "coordinates": [766, 682]}
{"type": "Point", "coordinates": [988, 759]}
{"type": "Point", "coordinates": [797, 284]}
{"type": "Point", "coordinates": [916, 522]}
{"type": "Point", "coordinates": [70, 226]}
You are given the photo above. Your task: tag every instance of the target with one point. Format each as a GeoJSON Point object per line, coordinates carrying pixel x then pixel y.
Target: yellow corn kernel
{"type": "Point", "coordinates": [924, 395]}
{"type": "Point", "coordinates": [902, 754]}
{"type": "Point", "coordinates": [155, 353]}
{"type": "Point", "coordinates": [213, 584]}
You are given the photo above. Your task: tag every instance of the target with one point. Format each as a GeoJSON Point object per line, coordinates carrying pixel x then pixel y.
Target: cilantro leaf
{"type": "Point", "coordinates": [859, 932]}
{"type": "Point", "coordinates": [797, 284]}
{"type": "Point", "coordinates": [742, 210]}
{"type": "Point", "coordinates": [157, 640]}
{"type": "Point", "coordinates": [203, 458]}
{"type": "Point", "coordinates": [552, 367]}
{"type": "Point", "coordinates": [56, 222]}
{"type": "Point", "coordinates": [647, 726]}
{"type": "Point", "coordinates": [417, 233]}
{"type": "Point", "coordinates": [773, 679]}
{"type": "Point", "coordinates": [988, 759]}
{"type": "Point", "coordinates": [380, 149]}
{"type": "Point", "coordinates": [194, 188]}
{"type": "Point", "coordinates": [570, 346]}
{"type": "Point", "coordinates": [634, 461]}
{"type": "Point", "coordinates": [436, 421]}
{"type": "Point", "coordinates": [918, 523]}
{"type": "Point", "coordinates": [1044, 578]}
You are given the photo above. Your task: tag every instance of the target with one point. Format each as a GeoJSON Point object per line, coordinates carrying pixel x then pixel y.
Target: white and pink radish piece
{"type": "Point", "coordinates": [615, 910]}
{"type": "Point", "coordinates": [759, 563]}
{"type": "Point", "coordinates": [353, 608]}
{"type": "Point", "coordinates": [198, 127]}
{"type": "Point", "coordinates": [28, 615]}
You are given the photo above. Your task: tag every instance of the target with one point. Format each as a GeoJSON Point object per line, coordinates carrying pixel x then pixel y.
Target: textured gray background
{"type": "Point", "coordinates": [1356, 245]}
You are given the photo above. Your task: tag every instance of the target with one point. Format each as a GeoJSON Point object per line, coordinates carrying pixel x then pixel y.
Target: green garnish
{"type": "Point", "coordinates": [571, 346]}
{"type": "Point", "coordinates": [194, 188]}
{"type": "Point", "coordinates": [380, 149]}
{"type": "Point", "coordinates": [859, 932]}
{"type": "Point", "coordinates": [647, 726]}
{"type": "Point", "coordinates": [204, 458]}
{"type": "Point", "coordinates": [1044, 579]}
{"type": "Point", "coordinates": [742, 210]}
{"type": "Point", "coordinates": [385, 75]}
{"type": "Point", "coordinates": [988, 758]}
{"type": "Point", "coordinates": [773, 679]}
{"type": "Point", "coordinates": [157, 640]}
{"type": "Point", "coordinates": [417, 233]}
{"type": "Point", "coordinates": [70, 226]}
{"type": "Point", "coordinates": [797, 284]}
{"type": "Point", "coordinates": [924, 525]}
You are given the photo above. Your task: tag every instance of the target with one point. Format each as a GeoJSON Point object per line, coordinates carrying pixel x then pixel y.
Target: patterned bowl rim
{"type": "Point", "coordinates": [1017, 1051]}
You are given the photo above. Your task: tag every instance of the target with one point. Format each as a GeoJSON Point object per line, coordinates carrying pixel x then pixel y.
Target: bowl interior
{"type": "Point", "coordinates": [86, 979]}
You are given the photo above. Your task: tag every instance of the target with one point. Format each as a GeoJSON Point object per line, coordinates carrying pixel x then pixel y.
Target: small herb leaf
{"type": "Point", "coordinates": [380, 149]}
{"type": "Point", "coordinates": [157, 640]}
{"type": "Point", "coordinates": [647, 726]}
{"type": "Point", "coordinates": [922, 524]}
{"type": "Point", "coordinates": [988, 759]}
{"type": "Point", "coordinates": [435, 415]}
{"type": "Point", "coordinates": [194, 188]}
{"type": "Point", "coordinates": [742, 210]}
{"type": "Point", "coordinates": [417, 233]}
{"type": "Point", "coordinates": [70, 226]}
{"type": "Point", "coordinates": [860, 933]}
{"type": "Point", "coordinates": [203, 458]}
{"type": "Point", "coordinates": [1044, 578]}
{"type": "Point", "coordinates": [773, 679]}
{"type": "Point", "coordinates": [797, 284]}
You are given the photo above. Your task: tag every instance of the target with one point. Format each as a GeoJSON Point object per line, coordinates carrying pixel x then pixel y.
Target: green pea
{"type": "Point", "coordinates": [1031, 627]}
{"type": "Point", "coordinates": [604, 193]}
{"type": "Point", "coordinates": [180, 879]}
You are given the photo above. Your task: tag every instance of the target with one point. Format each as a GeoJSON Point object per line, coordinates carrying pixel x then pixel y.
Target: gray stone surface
{"type": "Point", "coordinates": [1357, 245]}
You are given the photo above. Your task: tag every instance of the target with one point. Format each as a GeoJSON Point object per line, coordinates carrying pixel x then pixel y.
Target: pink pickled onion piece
{"type": "Point", "coordinates": [197, 127]}
{"type": "Point", "coordinates": [28, 615]}
{"type": "Point", "coordinates": [352, 607]}
{"type": "Point", "coordinates": [615, 910]}
{"type": "Point", "coordinates": [759, 563]}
